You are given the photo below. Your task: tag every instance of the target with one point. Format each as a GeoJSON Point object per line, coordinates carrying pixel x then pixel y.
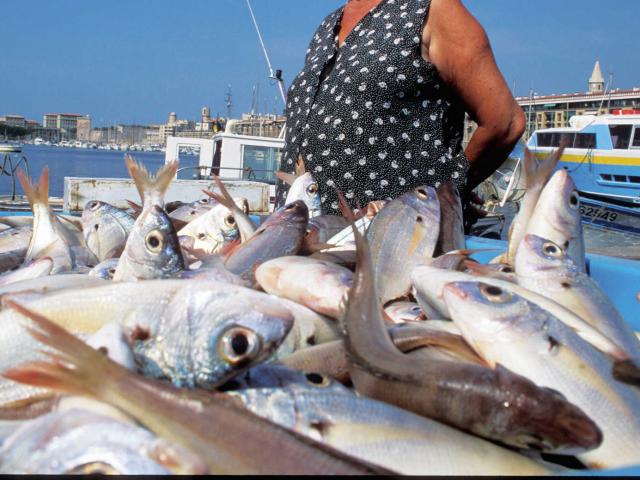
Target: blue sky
{"type": "Point", "coordinates": [132, 61]}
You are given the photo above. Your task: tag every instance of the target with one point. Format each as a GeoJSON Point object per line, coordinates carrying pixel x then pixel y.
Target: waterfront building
{"type": "Point", "coordinates": [84, 128]}
{"type": "Point", "coordinates": [259, 125]}
{"type": "Point", "coordinates": [67, 123]}
{"type": "Point", "coordinates": [13, 121]}
{"type": "Point", "coordinates": [555, 110]}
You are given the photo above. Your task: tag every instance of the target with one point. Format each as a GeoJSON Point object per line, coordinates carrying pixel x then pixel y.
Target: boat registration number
{"type": "Point", "coordinates": [598, 213]}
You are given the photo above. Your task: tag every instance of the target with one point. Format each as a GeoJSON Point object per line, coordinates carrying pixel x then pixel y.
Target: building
{"type": "Point", "coordinates": [259, 125]}
{"type": "Point", "coordinates": [13, 121]}
{"type": "Point", "coordinates": [67, 123]}
{"type": "Point", "coordinates": [84, 129]}
{"type": "Point", "coordinates": [554, 111]}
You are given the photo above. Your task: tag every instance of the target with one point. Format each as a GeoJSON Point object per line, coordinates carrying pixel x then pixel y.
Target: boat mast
{"type": "Point", "coordinates": [278, 73]}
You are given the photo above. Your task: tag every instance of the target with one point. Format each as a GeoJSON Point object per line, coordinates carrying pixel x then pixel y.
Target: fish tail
{"type": "Point", "coordinates": [300, 167]}
{"type": "Point", "coordinates": [137, 209]}
{"type": "Point", "coordinates": [538, 172]}
{"type": "Point", "coordinates": [151, 188]}
{"type": "Point", "coordinates": [224, 197]}
{"type": "Point", "coordinates": [74, 367]}
{"type": "Point", "coordinates": [287, 178]}
{"type": "Point", "coordinates": [36, 193]}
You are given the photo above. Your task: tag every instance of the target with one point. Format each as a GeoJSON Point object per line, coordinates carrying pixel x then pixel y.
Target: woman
{"type": "Point", "coordinates": [378, 108]}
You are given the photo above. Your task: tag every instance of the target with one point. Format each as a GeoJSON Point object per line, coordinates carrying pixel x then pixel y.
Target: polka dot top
{"type": "Point", "coordinates": [372, 118]}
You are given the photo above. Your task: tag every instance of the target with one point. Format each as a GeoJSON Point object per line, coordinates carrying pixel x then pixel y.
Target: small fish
{"type": "Point", "coordinates": [152, 249]}
{"type": "Point", "coordinates": [214, 230]}
{"type": "Point", "coordinates": [543, 267]}
{"type": "Point", "coordinates": [322, 409]}
{"type": "Point", "coordinates": [105, 229]}
{"type": "Point", "coordinates": [495, 404]}
{"type": "Point", "coordinates": [189, 212]}
{"type": "Point", "coordinates": [557, 217]}
{"type": "Point", "coordinates": [190, 418]}
{"type": "Point", "coordinates": [402, 312]}
{"type": "Point", "coordinates": [282, 234]}
{"type": "Point", "coordinates": [536, 175]}
{"type": "Point", "coordinates": [451, 220]}
{"type": "Point", "coordinates": [302, 187]}
{"type": "Point", "coordinates": [414, 219]}
{"type": "Point", "coordinates": [241, 215]}
{"type": "Point", "coordinates": [316, 284]}
{"type": "Point", "coordinates": [507, 330]}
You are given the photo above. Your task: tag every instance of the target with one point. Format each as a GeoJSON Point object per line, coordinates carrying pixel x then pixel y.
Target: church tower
{"type": "Point", "coordinates": [596, 82]}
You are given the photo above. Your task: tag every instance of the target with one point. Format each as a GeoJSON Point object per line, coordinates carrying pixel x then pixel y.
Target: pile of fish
{"type": "Point", "coordinates": [184, 339]}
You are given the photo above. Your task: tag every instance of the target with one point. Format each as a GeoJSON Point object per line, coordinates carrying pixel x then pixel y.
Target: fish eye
{"type": "Point", "coordinates": [96, 226]}
{"type": "Point", "coordinates": [416, 310]}
{"type": "Point", "coordinates": [93, 205]}
{"type": "Point", "coordinates": [204, 201]}
{"type": "Point", "coordinates": [506, 269]}
{"type": "Point", "coordinates": [201, 236]}
{"type": "Point", "coordinates": [317, 379]}
{"type": "Point", "coordinates": [552, 250]}
{"type": "Point", "coordinates": [574, 200]}
{"type": "Point", "coordinates": [239, 345]}
{"type": "Point", "coordinates": [494, 294]}
{"type": "Point", "coordinates": [230, 221]}
{"type": "Point", "coordinates": [93, 468]}
{"type": "Point", "coordinates": [111, 272]}
{"type": "Point", "coordinates": [154, 241]}
{"type": "Point", "coordinates": [312, 189]}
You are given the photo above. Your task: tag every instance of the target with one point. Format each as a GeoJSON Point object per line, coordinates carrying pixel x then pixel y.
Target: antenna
{"type": "Point", "coordinates": [278, 73]}
{"type": "Point", "coordinates": [228, 102]}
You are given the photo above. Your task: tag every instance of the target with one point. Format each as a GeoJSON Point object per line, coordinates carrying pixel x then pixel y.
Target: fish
{"type": "Point", "coordinates": [492, 403]}
{"type": "Point", "coordinates": [181, 330]}
{"type": "Point", "coordinates": [316, 284]}
{"type": "Point", "coordinates": [429, 283]}
{"type": "Point", "coordinates": [414, 219]}
{"type": "Point", "coordinates": [451, 220]}
{"type": "Point", "coordinates": [212, 268]}
{"type": "Point", "coordinates": [324, 410]}
{"type": "Point", "coordinates": [47, 239]}
{"type": "Point", "coordinates": [506, 330]}
{"type": "Point", "coordinates": [212, 231]}
{"type": "Point", "coordinates": [105, 269]}
{"type": "Point", "coordinates": [501, 271]}
{"type": "Point", "coordinates": [105, 229]}
{"type": "Point", "coordinates": [282, 234]}
{"type": "Point", "coordinates": [536, 175]}
{"type": "Point", "coordinates": [545, 268]}
{"type": "Point", "coordinates": [302, 187]}
{"type": "Point", "coordinates": [557, 217]}
{"type": "Point", "coordinates": [152, 249]}
{"type": "Point", "coordinates": [401, 312]}
{"type": "Point", "coordinates": [51, 283]}
{"type": "Point", "coordinates": [189, 212]}
{"type": "Point", "coordinates": [14, 243]}
{"type": "Point", "coordinates": [241, 215]}
{"type": "Point", "coordinates": [189, 418]}
{"type": "Point", "coordinates": [37, 268]}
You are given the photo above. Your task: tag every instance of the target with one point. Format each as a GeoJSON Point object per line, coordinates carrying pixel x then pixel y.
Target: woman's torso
{"type": "Point", "coordinates": [372, 118]}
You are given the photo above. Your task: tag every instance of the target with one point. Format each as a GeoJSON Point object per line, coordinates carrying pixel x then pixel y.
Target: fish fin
{"type": "Point", "coordinates": [151, 188]}
{"type": "Point", "coordinates": [245, 224]}
{"type": "Point", "coordinates": [287, 178]}
{"type": "Point", "coordinates": [300, 168]}
{"type": "Point", "coordinates": [36, 193]}
{"type": "Point", "coordinates": [75, 223]}
{"type": "Point", "coordinates": [178, 224]}
{"type": "Point", "coordinates": [627, 371]}
{"type": "Point", "coordinates": [137, 209]}
{"type": "Point", "coordinates": [74, 367]}
{"type": "Point", "coordinates": [538, 172]}
{"type": "Point", "coordinates": [310, 247]}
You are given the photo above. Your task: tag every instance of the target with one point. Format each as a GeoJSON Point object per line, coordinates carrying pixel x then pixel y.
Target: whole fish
{"type": "Point", "coordinates": [47, 239]}
{"type": "Point", "coordinates": [241, 215]}
{"type": "Point", "coordinates": [302, 187]}
{"type": "Point", "coordinates": [557, 217]}
{"type": "Point", "coordinates": [190, 211]}
{"type": "Point", "coordinates": [152, 249]}
{"type": "Point", "coordinates": [494, 404]}
{"type": "Point", "coordinates": [194, 333]}
{"type": "Point", "coordinates": [190, 418]}
{"type": "Point", "coordinates": [316, 284]}
{"type": "Point", "coordinates": [212, 231]}
{"type": "Point", "coordinates": [280, 235]}
{"type": "Point", "coordinates": [543, 267]}
{"type": "Point", "coordinates": [14, 242]}
{"type": "Point", "coordinates": [414, 219]}
{"type": "Point", "coordinates": [507, 330]}
{"type": "Point", "coordinates": [105, 229]}
{"type": "Point", "coordinates": [451, 219]}
{"type": "Point", "coordinates": [429, 283]}
{"type": "Point", "coordinates": [322, 409]}
{"type": "Point", "coordinates": [536, 175]}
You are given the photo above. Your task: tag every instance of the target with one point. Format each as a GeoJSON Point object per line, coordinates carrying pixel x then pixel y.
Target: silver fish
{"type": "Point", "coordinates": [152, 249]}
{"type": "Point", "coordinates": [505, 329]}
{"type": "Point", "coordinates": [105, 229]}
{"type": "Point", "coordinates": [189, 212]}
{"type": "Point", "coordinates": [14, 242]}
{"type": "Point", "coordinates": [414, 219]}
{"type": "Point", "coordinates": [302, 187]}
{"type": "Point", "coordinates": [451, 219]}
{"type": "Point", "coordinates": [543, 267]}
{"type": "Point", "coordinates": [401, 312]}
{"type": "Point", "coordinates": [213, 230]}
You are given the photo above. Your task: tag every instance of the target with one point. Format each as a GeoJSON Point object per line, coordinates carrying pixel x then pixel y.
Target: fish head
{"type": "Point", "coordinates": [294, 215]}
{"type": "Point", "coordinates": [153, 248]}
{"type": "Point", "coordinates": [424, 204]}
{"type": "Point", "coordinates": [105, 270]}
{"type": "Point", "coordinates": [213, 230]}
{"type": "Point", "coordinates": [539, 257]}
{"type": "Point", "coordinates": [305, 188]}
{"type": "Point", "coordinates": [236, 338]}
{"type": "Point", "coordinates": [561, 200]}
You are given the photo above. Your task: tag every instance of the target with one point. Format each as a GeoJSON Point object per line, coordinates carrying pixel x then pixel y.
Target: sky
{"type": "Point", "coordinates": [134, 61]}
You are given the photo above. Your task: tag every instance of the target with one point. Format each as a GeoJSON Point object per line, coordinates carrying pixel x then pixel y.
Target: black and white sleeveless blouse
{"type": "Point", "coordinates": [372, 118]}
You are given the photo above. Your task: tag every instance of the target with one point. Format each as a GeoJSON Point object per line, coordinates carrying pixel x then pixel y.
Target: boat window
{"type": "Point", "coordinates": [634, 179]}
{"type": "Point", "coordinates": [636, 139]}
{"type": "Point", "coordinates": [585, 140]}
{"type": "Point", "coordinates": [261, 163]}
{"type": "Point", "coordinates": [620, 178]}
{"type": "Point", "coordinates": [552, 139]}
{"type": "Point", "coordinates": [606, 177]}
{"type": "Point", "coordinates": [620, 136]}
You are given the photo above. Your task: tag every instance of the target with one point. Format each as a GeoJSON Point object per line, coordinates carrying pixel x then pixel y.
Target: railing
{"type": "Point", "coordinates": [11, 171]}
{"type": "Point", "coordinates": [248, 172]}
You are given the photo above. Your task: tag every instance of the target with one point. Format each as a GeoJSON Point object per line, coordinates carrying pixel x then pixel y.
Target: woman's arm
{"type": "Point", "coordinates": [455, 42]}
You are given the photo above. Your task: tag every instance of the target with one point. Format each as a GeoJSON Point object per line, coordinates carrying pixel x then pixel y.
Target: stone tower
{"type": "Point", "coordinates": [596, 82]}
